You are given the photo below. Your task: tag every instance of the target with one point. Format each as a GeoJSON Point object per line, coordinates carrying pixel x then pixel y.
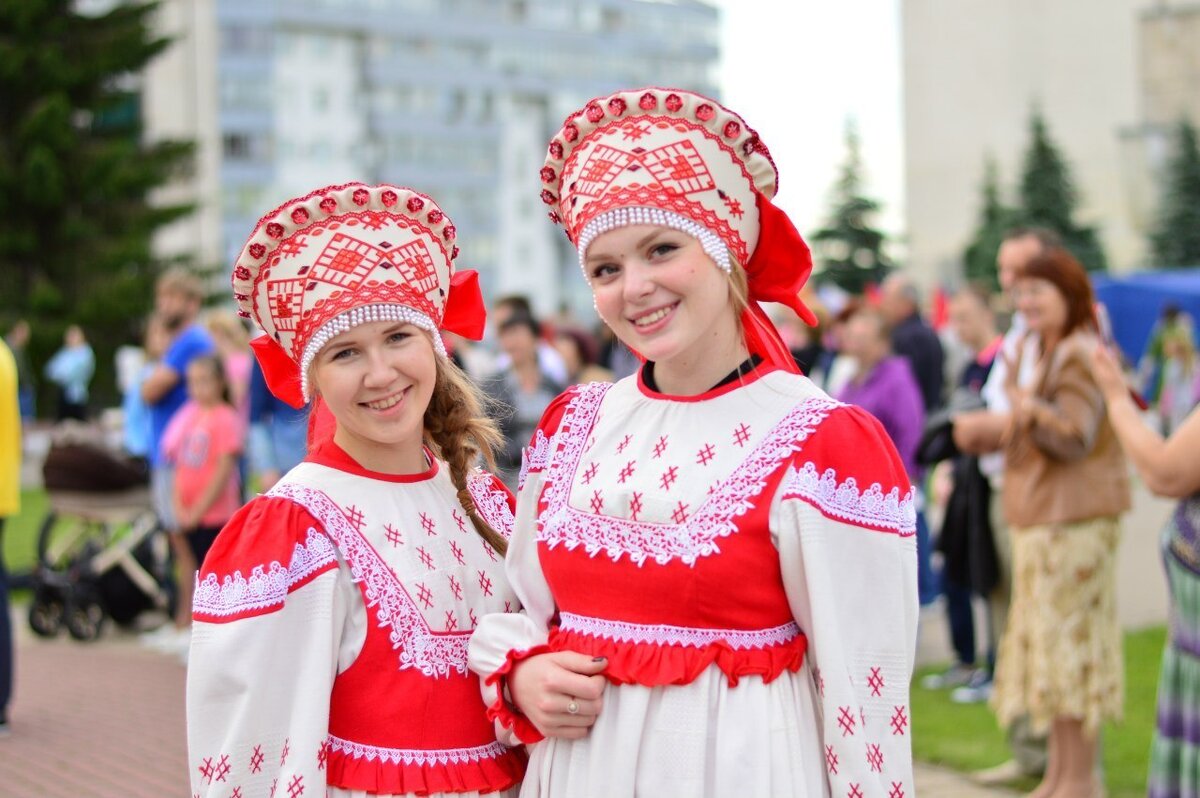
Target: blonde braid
{"type": "Point", "coordinates": [459, 432]}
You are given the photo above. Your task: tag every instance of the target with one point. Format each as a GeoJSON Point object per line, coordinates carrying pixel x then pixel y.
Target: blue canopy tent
{"type": "Point", "coordinates": [1135, 302]}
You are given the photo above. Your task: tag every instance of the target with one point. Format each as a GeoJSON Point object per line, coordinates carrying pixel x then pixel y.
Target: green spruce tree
{"type": "Point", "coordinates": [848, 250]}
{"type": "Point", "coordinates": [1175, 241]}
{"type": "Point", "coordinates": [76, 175]}
{"type": "Point", "coordinates": [979, 258]}
{"type": "Point", "coordinates": [1048, 197]}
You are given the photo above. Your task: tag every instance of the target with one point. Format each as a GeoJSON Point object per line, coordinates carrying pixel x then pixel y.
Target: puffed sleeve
{"type": "Point", "coordinates": [844, 522]}
{"type": "Point", "coordinates": [503, 639]}
{"type": "Point", "coordinates": [269, 628]}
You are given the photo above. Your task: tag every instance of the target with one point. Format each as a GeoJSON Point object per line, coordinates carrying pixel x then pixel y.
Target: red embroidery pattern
{"type": "Point", "coordinates": [256, 759]}
{"type": "Point", "coordinates": [875, 757]}
{"type": "Point", "coordinates": [457, 551]}
{"type": "Point", "coordinates": [846, 721]}
{"type": "Point", "coordinates": [899, 721]}
{"type": "Point", "coordinates": [419, 647]}
{"type": "Point", "coordinates": [640, 540]}
{"type": "Point", "coordinates": [875, 682]}
{"type": "Point", "coordinates": [831, 759]}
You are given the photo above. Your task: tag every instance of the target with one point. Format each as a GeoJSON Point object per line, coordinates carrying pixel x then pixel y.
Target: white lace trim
{"type": "Point", "coordinates": [665, 635]}
{"type": "Point", "coordinates": [492, 504]}
{"type": "Point", "coordinates": [697, 536]}
{"type": "Point", "coordinates": [533, 457]}
{"type": "Point", "coordinates": [432, 654]}
{"type": "Point", "coordinates": [871, 507]}
{"type": "Point", "coordinates": [416, 756]}
{"type": "Point", "coordinates": [268, 585]}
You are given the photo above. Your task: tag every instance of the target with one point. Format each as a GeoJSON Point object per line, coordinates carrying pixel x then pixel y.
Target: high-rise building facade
{"type": "Point", "coordinates": [453, 97]}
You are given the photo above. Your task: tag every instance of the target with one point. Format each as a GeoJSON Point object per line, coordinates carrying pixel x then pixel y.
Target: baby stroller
{"type": "Point", "coordinates": [101, 552]}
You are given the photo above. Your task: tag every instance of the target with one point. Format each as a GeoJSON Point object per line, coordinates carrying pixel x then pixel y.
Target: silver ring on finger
{"type": "Point", "coordinates": [573, 707]}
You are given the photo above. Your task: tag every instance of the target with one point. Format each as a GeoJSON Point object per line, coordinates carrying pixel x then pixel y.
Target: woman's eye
{"type": "Point", "coordinates": [603, 270]}
{"type": "Point", "coordinates": [662, 249]}
{"type": "Point", "coordinates": [397, 337]}
{"type": "Point", "coordinates": [341, 354]}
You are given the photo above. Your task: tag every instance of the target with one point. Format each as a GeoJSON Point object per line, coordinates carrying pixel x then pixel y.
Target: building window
{"type": "Point", "coordinates": [236, 146]}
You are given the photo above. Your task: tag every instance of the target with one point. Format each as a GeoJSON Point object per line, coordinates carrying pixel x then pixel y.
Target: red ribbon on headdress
{"type": "Point", "coordinates": [465, 313]}
{"type": "Point", "coordinates": [777, 270]}
{"type": "Point", "coordinates": [280, 371]}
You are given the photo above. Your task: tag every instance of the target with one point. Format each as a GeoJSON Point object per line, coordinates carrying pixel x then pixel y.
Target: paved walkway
{"type": "Point", "coordinates": [106, 720]}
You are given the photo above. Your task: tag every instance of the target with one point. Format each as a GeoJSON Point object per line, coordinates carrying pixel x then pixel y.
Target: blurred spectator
{"type": "Point", "coordinates": [18, 344]}
{"type": "Point", "coordinates": [614, 355]}
{"type": "Point", "coordinates": [579, 352]}
{"type": "Point", "coordinates": [1065, 488]}
{"type": "Point", "coordinates": [71, 369]}
{"type": "Point", "coordinates": [178, 295]}
{"type": "Point", "coordinates": [834, 367]}
{"type": "Point", "coordinates": [549, 360]}
{"type": "Point", "coordinates": [524, 387]}
{"type": "Point", "coordinates": [1168, 369]}
{"type": "Point", "coordinates": [1170, 468]}
{"type": "Point", "coordinates": [10, 505]}
{"type": "Point", "coordinates": [969, 561]}
{"type": "Point", "coordinates": [885, 387]}
{"type": "Point", "coordinates": [138, 429]}
{"type": "Point", "coordinates": [277, 432]}
{"type": "Point", "coordinates": [802, 341]}
{"type": "Point", "coordinates": [912, 338]}
{"type": "Point", "coordinates": [203, 443]}
{"type": "Point", "coordinates": [232, 341]}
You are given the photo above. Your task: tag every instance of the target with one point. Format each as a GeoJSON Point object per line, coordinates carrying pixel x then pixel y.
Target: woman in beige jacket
{"type": "Point", "coordinates": [1065, 487]}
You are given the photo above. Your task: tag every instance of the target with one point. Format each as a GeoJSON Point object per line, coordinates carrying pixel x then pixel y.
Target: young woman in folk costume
{"type": "Point", "coordinates": [329, 651]}
{"type": "Point", "coordinates": [733, 548]}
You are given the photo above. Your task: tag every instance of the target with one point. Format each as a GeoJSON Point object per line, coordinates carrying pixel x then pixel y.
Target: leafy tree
{"type": "Point", "coordinates": [848, 250]}
{"type": "Point", "coordinates": [75, 174]}
{"type": "Point", "coordinates": [1175, 240]}
{"type": "Point", "coordinates": [979, 258]}
{"type": "Point", "coordinates": [1048, 197]}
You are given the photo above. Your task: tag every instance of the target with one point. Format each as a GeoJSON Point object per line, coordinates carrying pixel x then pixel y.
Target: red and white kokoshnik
{"type": "Point", "coordinates": [344, 255]}
{"type": "Point", "coordinates": [670, 150]}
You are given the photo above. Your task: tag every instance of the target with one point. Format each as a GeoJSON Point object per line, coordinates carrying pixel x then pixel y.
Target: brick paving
{"type": "Point", "coordinates": [100, 720]}
{"type": "Point", "coordinates": [106, 720]}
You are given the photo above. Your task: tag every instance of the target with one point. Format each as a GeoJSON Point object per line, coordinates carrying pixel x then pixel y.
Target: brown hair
{"type": "Point", "coordinates": [179, 280]}
{"type": "Point", "coordinates": [1059, 268]}
{"type": "Point", "coordinates": [459, 431]}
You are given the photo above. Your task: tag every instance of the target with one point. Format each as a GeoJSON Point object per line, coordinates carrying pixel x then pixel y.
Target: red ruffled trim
{"type": "Point", "coordinates": [508, 715]}
{"type": "Point", "coordinates": [376, 776]}
{"type": "Point", "coordinates": [654, 665]}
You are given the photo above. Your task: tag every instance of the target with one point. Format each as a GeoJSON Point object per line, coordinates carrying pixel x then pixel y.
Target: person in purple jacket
{"type": "Point", "coordinates": [884, 385]}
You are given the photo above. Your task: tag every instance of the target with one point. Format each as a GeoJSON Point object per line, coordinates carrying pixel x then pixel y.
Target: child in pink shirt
{"type": "Point", "coordinates": [203, 442]}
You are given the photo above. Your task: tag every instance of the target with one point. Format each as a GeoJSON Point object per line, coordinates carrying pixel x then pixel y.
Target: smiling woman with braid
{"type": "Point", "coordinates": [329, 651]}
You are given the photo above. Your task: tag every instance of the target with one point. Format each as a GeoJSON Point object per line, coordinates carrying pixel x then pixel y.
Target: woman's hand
{"type": "Point", "coordinates": [559, 692]}
{"type": "Point", "coordinates": [1107, 374]}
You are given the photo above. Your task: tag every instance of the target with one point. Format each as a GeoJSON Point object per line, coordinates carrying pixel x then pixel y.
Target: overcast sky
{"type": "Point", "coordinates": [796, 70]}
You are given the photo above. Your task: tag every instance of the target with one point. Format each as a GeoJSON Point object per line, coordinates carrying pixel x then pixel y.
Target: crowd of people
{"type": "Point", "coordinates": [696, 562]}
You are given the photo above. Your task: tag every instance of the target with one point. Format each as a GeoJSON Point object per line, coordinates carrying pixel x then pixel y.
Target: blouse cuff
{"type": "Point", "coordinates": [503, 711]}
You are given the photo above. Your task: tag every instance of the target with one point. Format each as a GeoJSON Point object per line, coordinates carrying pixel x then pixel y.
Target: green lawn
{"type": "Point", "coordinates": [965, 737]}
{"type": "Point", "coordinates": [20, 532]}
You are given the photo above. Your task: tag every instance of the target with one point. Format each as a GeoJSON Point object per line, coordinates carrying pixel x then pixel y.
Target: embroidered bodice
{"type": "Point", "coordinates": [653, 524]}
{"type": "Point", "coordinates": [404, 713]}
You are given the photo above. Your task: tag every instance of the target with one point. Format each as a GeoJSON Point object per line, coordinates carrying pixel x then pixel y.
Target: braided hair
{"type": "Point", "coordinates": [459, 432]}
